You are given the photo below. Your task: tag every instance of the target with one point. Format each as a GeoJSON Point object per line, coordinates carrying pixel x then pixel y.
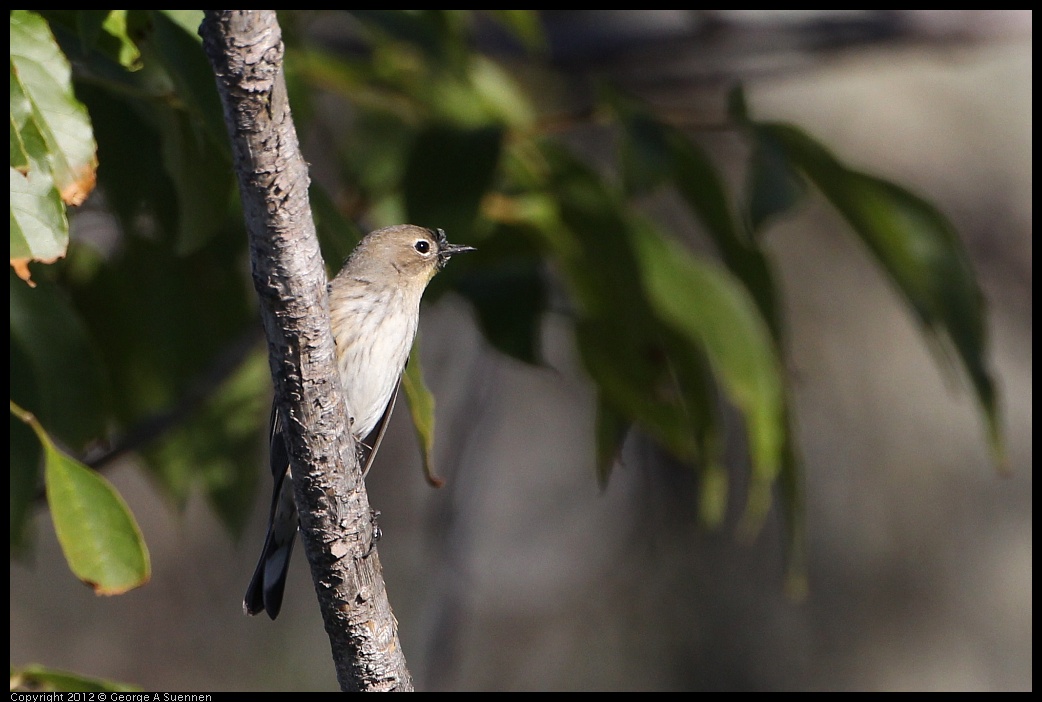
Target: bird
{"type": "Point", "coordinates": [374, 308]}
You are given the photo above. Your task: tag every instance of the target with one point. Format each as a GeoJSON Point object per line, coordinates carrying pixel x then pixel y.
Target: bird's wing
{"type": "Point", "coordinates": [377, 434]}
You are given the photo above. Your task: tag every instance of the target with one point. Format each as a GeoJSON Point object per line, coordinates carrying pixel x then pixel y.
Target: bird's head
{"type": "Point", "coordinates": [404, 251]}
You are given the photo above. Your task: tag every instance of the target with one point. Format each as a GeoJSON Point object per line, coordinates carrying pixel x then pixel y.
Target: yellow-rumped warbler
{"type": "Point", "coordinates": [374, 307]}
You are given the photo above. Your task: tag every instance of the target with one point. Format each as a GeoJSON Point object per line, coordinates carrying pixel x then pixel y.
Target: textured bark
{"type": "Point", "coordinates": [246, 51]}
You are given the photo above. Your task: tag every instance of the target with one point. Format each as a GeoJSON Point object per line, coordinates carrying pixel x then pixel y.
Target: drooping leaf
{"type": "Point", "coordinates": [99, 536]}
{"type": "Point", "coordinates": [97, 532]}
{"type": "Point", "coordinates": [653, 153]}
{"type": "Point", "coordinates": [176, 45]}
{"type": "Point", "coordinates": [633, 378]}
{"type": "Point", "coordinates": [630, 356]}
{"type": "Point", "coordinates": [775, 188]}
{"type": "Point", "coordinates": [702, 188]}
{"type": "Point", "coordinates": [700, 185]}
{"type": "Point", "coordinates": [711, 310]}
{"type": "Point", "coordinates": [421, 407]}
{"type": "Point", "coordinates": [202, 179]}
{"type": "Point", "coordinates": [712, 494]}
{"type": "Point", "coordinates": [644, 158]}
{"type": "Point", "coordinates": [504, 282]}
{"type": "Point", "coordinates": [918, 249]}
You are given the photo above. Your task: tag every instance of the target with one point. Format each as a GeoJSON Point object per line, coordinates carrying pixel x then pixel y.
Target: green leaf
{"type": "Point", "coordinates": [44, 76]}
{"type": "Point", "coordinates": [98, 535]}
{"type": "Point", "coordinates": [633, 377]}
{"type": "Point", "coordinates": [775, 188]}
{"type": "Point", "coordinates": [421, 407]}
{"type": "Point", "coordinates": [122, 47]}
{"type": "Point", "coordinates": [493, 94]}
{"type": "Point", "coordinates": [38, 678]}
{"type": "Point", "coordinates": [653, 152]}
{"type": "Point", "coordinates": [189, 120]}
{"type": "Point", "coordinates": [39, 228]}
{"type": "Point", "coordinates": [700, 185]}
{"type": "Point", "coordinates": [19, 154]}
{"type": "Point", "coordinates": [202, 179]}
{"type": "Point", "coordinates": [706, 306]}
{"type": "Point", "coordinates": [919, 250]}
{"type": "Point", "coordinates": [509, 300]}
{"type": "Point", "coordinates": [702, 188]}
{"type": "Point", "coordinates": [114, 61]}
{"type": "Point", "coordinates": [645, 156]}
{"type": "Point", "coordinates": [712, 494]}
{"type": "Point", "coordinates": [448, 173]}
{"type": "Point", "coordinates": [169, 107]}
{"type": "Point", "coordinates": [504, 282]}
{"type": "Point", "coordinates": [176, 45]}
{"type": "Point", "coordinates": [94, 32]}
{"type": "Point", "coordinates": [626, 351]}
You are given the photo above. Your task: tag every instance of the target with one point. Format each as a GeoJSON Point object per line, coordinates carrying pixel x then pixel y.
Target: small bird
{"type": "Point", "coordinates": [374, 306]}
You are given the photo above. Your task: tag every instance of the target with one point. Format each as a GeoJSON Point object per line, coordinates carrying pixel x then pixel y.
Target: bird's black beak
{"type": "Point", "coordinates": [447, 250]}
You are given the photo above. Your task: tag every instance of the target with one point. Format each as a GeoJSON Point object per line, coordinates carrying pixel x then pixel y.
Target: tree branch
{"type": "Point", "coordinates": [246, 51]}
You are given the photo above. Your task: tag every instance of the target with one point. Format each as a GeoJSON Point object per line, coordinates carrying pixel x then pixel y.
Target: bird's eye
{"type": "Point", "coordinates": [423, 246]}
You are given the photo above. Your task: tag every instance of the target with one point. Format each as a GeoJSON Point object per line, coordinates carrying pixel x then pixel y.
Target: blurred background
{"type": "Point", "coordinates": [523, 574]}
